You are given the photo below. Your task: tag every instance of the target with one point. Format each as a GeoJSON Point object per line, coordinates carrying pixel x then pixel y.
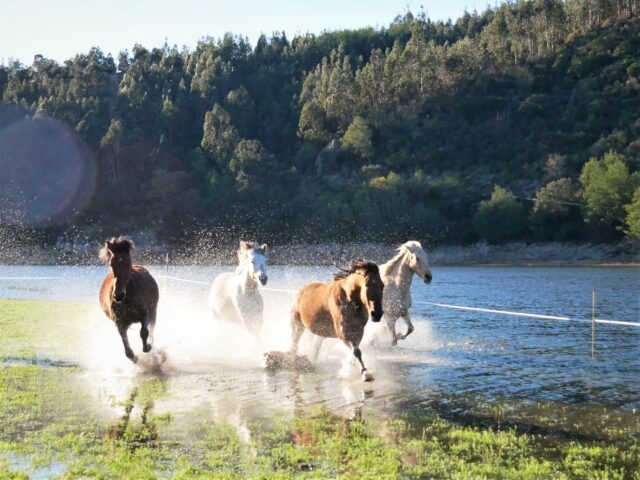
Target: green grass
{"type": "Point", "coordinates": [29, 326]}
{"type": "Point", "coordinates": [49, 421]}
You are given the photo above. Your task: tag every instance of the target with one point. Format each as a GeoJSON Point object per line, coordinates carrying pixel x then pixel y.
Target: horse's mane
{"type": "Point", "coordinates": [411, 246]}
{"type": "Point", "coordinates": [250, 246]}
{"type": "Point", "coordinates": [115, 245]}
{"type": "Point", "coordinates": [360, 264]}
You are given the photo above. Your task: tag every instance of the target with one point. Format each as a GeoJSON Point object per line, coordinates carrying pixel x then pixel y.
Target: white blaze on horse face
{"type": "Point", "coordinates": [420, 265]}
{"type": "Point", "coordinates": [258, 266]}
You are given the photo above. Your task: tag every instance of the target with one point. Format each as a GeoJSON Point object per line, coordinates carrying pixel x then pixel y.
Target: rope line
{"type": "Point", "coordinates": [489, 310]}
{"type": "Point", "coordinates": [184, 280]}
{"type": "Point", "coordinates": [617, 322]}
{"type": "Point", "coordinates": [31, 278]}
{"type": "Point", "coordinates": [460, 307]}
{"type": "Point", "coordinates": [198, 282]}
{"type": "Point", "coordinates": [531, 315]}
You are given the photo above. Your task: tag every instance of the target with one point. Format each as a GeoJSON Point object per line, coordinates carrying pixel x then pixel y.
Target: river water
{"type": "Point", "coordinates": [454, 357]}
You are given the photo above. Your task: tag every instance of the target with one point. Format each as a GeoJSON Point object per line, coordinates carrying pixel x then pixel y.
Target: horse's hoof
{"type": "Point", "coordinates": [405, 335]}
{"type": "Point", "coordinates": [134, 359]}
{"type": "Point", "coordinates": [367, 377]}
{"type": "Point", "coordinates": [146, 348]}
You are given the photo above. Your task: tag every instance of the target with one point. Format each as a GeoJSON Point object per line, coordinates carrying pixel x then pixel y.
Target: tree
{"type": "Point", "coordinates": [555, 214]}
{"type": "Point", "coordinates": [251, 162]}
{"type": "Point", "coordinates": [557, 197]}
{"type": "Point", "coordinates": [357, 138]}
{"type": "Point", "coordinates": [219, 138]}
{"type": "Point", "coordinates": [501, 218]}
{"type": "Point", "coordinates": [632, 221]}
{"type": "Point", "coordinates": [608, 187]}
{"type": "Point", "coordinates": [110, 146]}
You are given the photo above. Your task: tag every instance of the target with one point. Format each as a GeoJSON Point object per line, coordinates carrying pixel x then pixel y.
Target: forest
{"type": "Point", "coordinates": [518, 123]}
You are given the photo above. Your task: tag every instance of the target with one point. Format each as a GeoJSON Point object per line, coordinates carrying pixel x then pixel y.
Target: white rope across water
{"type": "Point", "coordinates": [530, 315]}
{"type": "Point", "coordinates": [31, 278]}
{"type": "Point", "coordinates": [198, 282]}
{"type": "Point", "coordinates": [617, 322]}
{"type": "Point", "coordinates": [461, 307]}
{"type": "Point", "coordinates": [489, 310]}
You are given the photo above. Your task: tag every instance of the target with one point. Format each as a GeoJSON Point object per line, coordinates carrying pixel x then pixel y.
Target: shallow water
{"type": "Point", "coordinates": [454, 358]}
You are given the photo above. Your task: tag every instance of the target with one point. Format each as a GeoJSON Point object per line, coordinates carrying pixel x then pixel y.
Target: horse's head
{"type": "Point", "coordinates": [417, 260]}
{"type": "Point", "coordinates": [253, 258]}
{"type": "Point", "coordinates": [365, 285]}
{"type": "Point", "coordinates": [117, 254]}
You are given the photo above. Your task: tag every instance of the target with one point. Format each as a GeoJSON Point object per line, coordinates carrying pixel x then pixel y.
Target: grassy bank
{"type": "Point", "coordinates": [52, 426]}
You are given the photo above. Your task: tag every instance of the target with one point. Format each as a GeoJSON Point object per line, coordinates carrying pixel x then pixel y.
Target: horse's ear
{"type": "Point", "coordinates": [244, 245]}
{"type": "Point", "coordinates": [105, 252]}
{"type": "Point", "coordinates": [264, 248]}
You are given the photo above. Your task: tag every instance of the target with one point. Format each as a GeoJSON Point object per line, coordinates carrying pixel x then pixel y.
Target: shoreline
{"type": "Point", "coordinates": [625, 254]}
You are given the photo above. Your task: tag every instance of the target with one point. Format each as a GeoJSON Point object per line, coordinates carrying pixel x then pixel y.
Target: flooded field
{"type": "Point", "coordinates": [474, 369]}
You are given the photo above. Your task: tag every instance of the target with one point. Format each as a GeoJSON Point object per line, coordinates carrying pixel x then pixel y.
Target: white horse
{"type": "Point", "coordinates": [396, 275]}
{"type": "Point", "coordinates": [234, 297]}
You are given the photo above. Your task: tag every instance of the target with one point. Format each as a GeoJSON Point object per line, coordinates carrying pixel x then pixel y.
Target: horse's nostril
{"type": "Point", "coordinates": [263, 279]}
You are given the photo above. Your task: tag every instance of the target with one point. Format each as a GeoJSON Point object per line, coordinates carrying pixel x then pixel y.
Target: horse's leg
{"type": "Point", "coordinates": [146, 330]}
{"type": "Point", "coordinates": [297, 328]}
{"type": "Point", "coordinates": [410, 328]}
{"type": "Point", "coordinates": [315, 348]}
{"type": "Point", "coordinates": [366, 376]}
{"type": "Point", "coordinates": [254, 326]}
{"type": "Point", "coordinates": [122, 330]}
{"type": "Point", "coordinates": [391, 326]}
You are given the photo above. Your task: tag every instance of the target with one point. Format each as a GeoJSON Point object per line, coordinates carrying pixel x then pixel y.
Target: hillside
{"type": "Point", "coordinates": [482, 129]}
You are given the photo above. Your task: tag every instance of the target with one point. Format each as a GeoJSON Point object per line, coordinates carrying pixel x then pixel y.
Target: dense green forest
{"type": "Point", "coordinates": [521, 122]}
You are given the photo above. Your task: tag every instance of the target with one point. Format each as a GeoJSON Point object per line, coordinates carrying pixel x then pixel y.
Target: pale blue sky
{"type": "Point", "coordinates": [59, 29]}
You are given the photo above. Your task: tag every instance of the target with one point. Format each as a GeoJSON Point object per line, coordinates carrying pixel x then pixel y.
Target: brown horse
{"type": "Point", "coordinates": [340, 308]}
{"type": "Point", "coordinates": [129, 294]}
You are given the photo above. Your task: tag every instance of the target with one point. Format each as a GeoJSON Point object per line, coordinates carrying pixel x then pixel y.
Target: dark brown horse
{"type": "Point", "coordinates": [340, 308]}
{"type": "Point", "coordinates": [129, 294]}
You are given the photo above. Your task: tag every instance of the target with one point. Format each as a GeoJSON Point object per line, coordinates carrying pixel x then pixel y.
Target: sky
{"type": "Point", "coordinates": [59, 29]}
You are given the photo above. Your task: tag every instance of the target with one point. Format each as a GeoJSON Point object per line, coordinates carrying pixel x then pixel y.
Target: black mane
{"type": "Point", "coordinates": [116, 245]}
{"type": "Point", "coordinates": [360, 264]}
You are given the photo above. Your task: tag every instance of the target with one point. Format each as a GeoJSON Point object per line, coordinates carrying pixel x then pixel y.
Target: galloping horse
{"type": "Point", "coordinates": [235, 297]}
{"type": "Point", "coordinates": [340, 308]}
{"type": "Point", "coordinates": [397, 274]}
{"type": "Point", "coordinates": [129, 294]}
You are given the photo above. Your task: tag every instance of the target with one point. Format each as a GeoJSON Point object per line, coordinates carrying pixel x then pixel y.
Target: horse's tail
{"type": "Point", "coordinates": [297, 328]}
{"type": "Point", "coordinates": [213, 302]}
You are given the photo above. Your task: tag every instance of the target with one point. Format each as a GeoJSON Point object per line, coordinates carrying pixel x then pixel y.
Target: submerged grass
{"type": "Point", "coordinates": [50, 424]}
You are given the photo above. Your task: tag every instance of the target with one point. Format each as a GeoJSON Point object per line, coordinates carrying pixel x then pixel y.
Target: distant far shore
{"type": "Point", "coordinates": [622, 254]}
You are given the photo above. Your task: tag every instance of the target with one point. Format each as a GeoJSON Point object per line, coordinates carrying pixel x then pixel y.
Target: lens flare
{"type": "Point", "coordinates": [47, 174]}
